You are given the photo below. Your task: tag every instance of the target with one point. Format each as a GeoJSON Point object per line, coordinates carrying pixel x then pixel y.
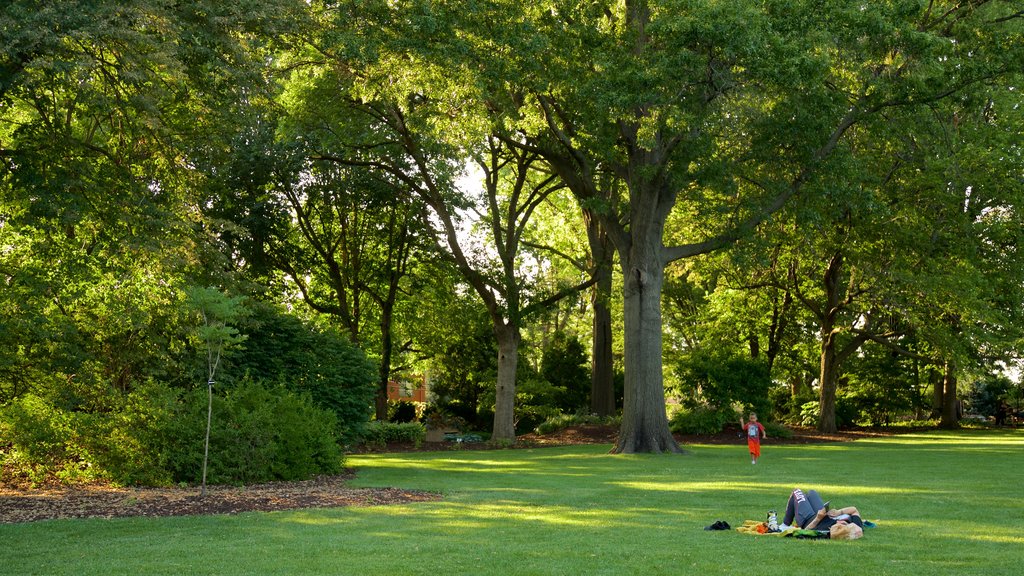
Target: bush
{"type": "Point", "coordinates": [258, 434]}
{"type": "Point", "coordinates": [846, 413]}
{"type": "Point", "coordinates": [308, 360]}
{"type": "Point", "coordinates": [382, 433]}
{"type": "Point", "coordinates": [789, 407]}
{"type": "Point", "coordinates": [563, 421]}
{"type": "Point", "coordinates": [702, 420]}
{"type": "Point", "coordinates": [985, 395]}
{"type": "Point", "coordinates": [775, 430]}
{"type": "Point", "coordinates": [128, 443]}
{"type": "Point", "coordinates": [123, 445]}
{"type": "Point", "coordinates": [564, 365]}
{"type": "Point", "coordinates": [401, 411]}
{"type": "Point", "coordinates": [39, 444]}
{"type": "Point", "coordinates": [722, 378]}
{"type": "Point", "coordinates": [153, 436]}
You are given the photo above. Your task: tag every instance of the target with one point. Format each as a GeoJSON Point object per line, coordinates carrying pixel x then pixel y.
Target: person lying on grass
{"type": "Point", "coordinates": [809, 512]}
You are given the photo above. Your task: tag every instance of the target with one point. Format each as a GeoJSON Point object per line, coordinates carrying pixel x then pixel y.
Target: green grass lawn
{"type": "Point", "coordinates": [945, 503]}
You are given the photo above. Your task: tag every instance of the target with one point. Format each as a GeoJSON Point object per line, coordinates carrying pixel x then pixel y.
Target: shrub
{"type": "Point", "coordinates": [722, 378]}
{"type": "Point", "coordinates": [985, 395]}
{"type": "Point", "coordinates": [564, 365]}
{"type": "Point", "coordinates": [258, 434]}
{"type": "Point", "coordinates": [776, 430]}
{"type": "Point", "coordinates": [563, 421]}
{"type": "Point", "coordinates": [437, 418]}
{"type": "Point", "coordinates": [789, 407]}
{"type": "Point", "coordinates": [128, 443]}
{"type": "Point", "coordinates": [401, 411]}
{"type": "Point", "coordinates": [845, 413]}
{"type": "Point", "coordinates": [702, 420]}
{"type": "Point", "coordinates": [122, 445]}
{"type": "Point", "coordinates": [382, 433]}
{"type": "Point", "coordinates": [308, 360]}
{"type": "Point", "coordinates": [38, 441]}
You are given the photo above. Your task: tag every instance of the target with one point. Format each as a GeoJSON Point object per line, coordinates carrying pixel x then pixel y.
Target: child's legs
{"type": "Point", "coordinates": [755, 448]}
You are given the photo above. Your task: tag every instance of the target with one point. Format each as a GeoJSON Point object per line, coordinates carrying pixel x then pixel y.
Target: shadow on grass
{"type": "Point", "coordinates": [944, 504]}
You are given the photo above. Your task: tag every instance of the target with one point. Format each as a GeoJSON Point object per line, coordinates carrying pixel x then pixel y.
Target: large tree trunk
{"type": "Point", "coordinates": [644, 420]}
{"type": "Point", "coordinates": [827, 380]}
{"type": "Point", "coordinates": [505, 394]}
{"type": "Point", "coordinates": [935, 378]}
{"type": "Point", "coordinates": [828, 377]}
{"type": "Point", "coordinates": [602, 381]}
{"type": "Point", "coordinates": [950, 418]}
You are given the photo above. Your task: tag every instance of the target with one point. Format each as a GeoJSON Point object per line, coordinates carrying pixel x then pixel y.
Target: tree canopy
{"type": "Point", "coordinates": [823, 195]}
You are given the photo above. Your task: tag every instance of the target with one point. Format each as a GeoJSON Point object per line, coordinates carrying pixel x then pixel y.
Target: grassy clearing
{"type": "Point", "coordinates": [945, 503]}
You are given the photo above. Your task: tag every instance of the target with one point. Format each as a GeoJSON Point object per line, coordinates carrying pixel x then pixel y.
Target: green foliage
{"type": "Point", "coordinates": [878, 404]}
{"type": "Point", "coordinates": [318, 362]}
{"type": "Point", "coordinates": [258, 434]}
{"type": "Point", "coordinates": [720, 378]}
{"type": "Point", "coordinates": [776, 430]}
{"type": "Point", "coordinates": [438, 418]}
{"type": "Point", "coordinates": [401, 411]}
{"type": "Point", "coordinates": [702, 420]}
{"type": "Point", "coordinates": [150, 437]}
{"type": "Point", "coordinates": [536, 401]}
{"type": "Point", "coordinates": [787, 407]}
{"type": "Point", "coordinates": [846, 413]}
{"type": "Point", "coordinates": [986, 394]}
{"type": "Point", "coordinates": [379, 433]}
{"type": "Point", "coordinates": [123, 444]}
{"type": "Point", "coordinates": [464, 369]}
{"type": "Point", "coordinates": [38, 443]}
{"type": "Point", "coordinates": [128, 443]}
{"type": "Point", "coordinates": [881, 386]}
{"type": "Point", "coordinates": [563, 421]}
{"type": "Point", "coordinates": [564, 365]}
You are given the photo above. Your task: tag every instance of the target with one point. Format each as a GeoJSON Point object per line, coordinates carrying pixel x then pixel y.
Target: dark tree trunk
{"type": "Point", "coordinates": [777, 329]}
{"type": "Point", "coordinates": [950, 417]}
{"type": "Point", "coordinates": [829, 356]}
{"type": "Point", "coordinates": [602, 381]}
{"type": "Point", "coordinates": [387, 345]}
{"type": "Point", "coordinates": [505, 394]}
{"type": "Point", "coordinates": [827, 379]}
{"type": "Point", "coordinates": [644, 420]}
{"type": "Point", "coordinates": [935, 377]}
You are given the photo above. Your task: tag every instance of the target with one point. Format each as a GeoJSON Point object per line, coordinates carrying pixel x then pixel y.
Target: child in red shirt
{"type": "Point", "coordinates": [754, 431]}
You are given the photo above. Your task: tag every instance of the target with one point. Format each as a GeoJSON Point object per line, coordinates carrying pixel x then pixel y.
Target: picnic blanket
{"type": "Point", "coordinates": [758, 528]}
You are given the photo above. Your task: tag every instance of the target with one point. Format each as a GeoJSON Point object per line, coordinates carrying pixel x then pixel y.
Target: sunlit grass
{"type": "Point", "coordinates": [945, 503]}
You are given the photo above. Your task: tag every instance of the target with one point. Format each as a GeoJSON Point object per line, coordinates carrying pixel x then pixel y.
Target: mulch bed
{"type": "Point", "coordinates": [20, 504]}
{"type": "Point", "coordinates": [101, 501]}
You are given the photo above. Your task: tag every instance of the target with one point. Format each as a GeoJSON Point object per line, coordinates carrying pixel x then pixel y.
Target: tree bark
{"type": "Point", "coordinates": [602, 375]}
{"type": "Point", "coordinates": [777, 329]}
{"type": "Point", "coordinates": [936, 380]}
{"type": "Point", "coordinates": [387, 345]}
{"type": "Point", "coordinates": [602, 382]}
{"type": "Point", "coordinates": [827, 393]}
{"type": "Point", "coordinates": [508, 338]}
{"type": "Point", "coordinates": [829, 357]}
{"type": "Point", "coordinates": [950, 419]}
{"type": "Point", "coordinates": [644, 420]}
